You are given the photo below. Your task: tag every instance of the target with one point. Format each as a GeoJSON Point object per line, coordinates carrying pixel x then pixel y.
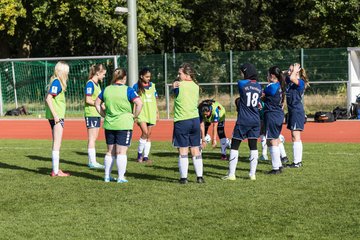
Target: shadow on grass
{"type": "Point", "coordinates": [43, 171]}
{"type": "Point", "coordinates": [98, 155]}
{"type": "Point", "coordinates": [150, 177]}
{"type": "Point", "coordinates": [47, 159]}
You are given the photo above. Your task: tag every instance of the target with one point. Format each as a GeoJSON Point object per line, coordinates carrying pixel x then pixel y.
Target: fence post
{"type": "Point", "coordinates": [166, 87]}
{"type": "Point", "coordinates": [302, 57]}
{"type": "Point", "coordinates": [115, 62]}
{"type": "Point", "coordinates": [46, 72]}
{"type": "Point", "coordinates": [1, 100]}
{"type": "Point", "coordinates": [231, 81]}
{"type": "Point", "coordinates": [14, 81]}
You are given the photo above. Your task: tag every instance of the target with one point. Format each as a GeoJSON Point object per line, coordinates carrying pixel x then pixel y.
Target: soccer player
{"type": "Point", "coordinates": [149, 113]}
{"type": "Point", "coordinates": [212, 112]}
{"type": "Point", "coordinates": [248, 120]}
{"type": "Point", "coordinates": [187, 123]}
{"type": "Point", "coordinates": [274, 115]}
{"type": "Point", "coordinates": [92, 117]}
{"type": "Point", "coordinates": [118, 122]}
{"type": "Point", "coordinates": [297, 82]}
{"type": "Point", "coordinates": [55, 112]}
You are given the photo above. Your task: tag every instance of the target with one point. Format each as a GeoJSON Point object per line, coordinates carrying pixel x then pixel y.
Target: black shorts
{"type": "Point", "coordinates": [52, 123]}
{"type": "Point", "coordinates": [118, 137]}
{"type": "Point", "coordinates": [92, 122]}
{"type": "Point", "coordinates": [187, 133]}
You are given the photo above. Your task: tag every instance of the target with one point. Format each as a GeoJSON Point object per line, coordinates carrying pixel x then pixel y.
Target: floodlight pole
{"type": "Point", "coordinates": [132, 43]}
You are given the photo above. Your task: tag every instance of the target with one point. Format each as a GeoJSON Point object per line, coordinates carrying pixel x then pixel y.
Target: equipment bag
{"type": "Point", "coordinates": [340, 113]}
{"type": "Point", "coordinates": [324, 117]}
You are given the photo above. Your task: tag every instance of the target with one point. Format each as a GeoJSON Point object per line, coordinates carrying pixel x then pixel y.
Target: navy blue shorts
{"type": "Point", "coordinates": [296, 121]}
{"type": "Point", "coordinates": [52, 123]}
{"type": "Point", "coordinates": [273, 124]}
{"type": "Point", "coordinates": [187, 133]}
{"type": "Point", "coordinates": [118, 137]}
{"type": "Point", "coordinates": [92, 122]}
{"type": "Point", "coordinates": [242, 132]}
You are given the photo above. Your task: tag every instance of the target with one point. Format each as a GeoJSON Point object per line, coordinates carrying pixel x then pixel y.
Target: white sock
{"type": "Point", "coordinates": [141, 147]}
{"type": "Point", "coordinates": [108, 162]}
{"type": "Point", "coordinates": [223, 146]}
{"type": "Point", "coordinates": [298, 149]}
{"type": "Point", "coordinates": [198, 165]}
{"type": "Point", "coordinates": [275, 157]}
{"type": "Point", "coordinates": [233, 160]}
{"type": "Point", "coordinates": [282, 150]}
{"type": "Point", "coordinates": [147, 149]}
{"type": "Point", "coordinates": [263, 145]}
{"type": "Point", "coordinates": [92, 155]}
{"type": "Point", "coordinates": [121, 162]}
{"type": "Point", "coordinates": [55, 156]}
{"type": "Point", "coordinates": [254, 155]}
{"type": "Point", "coordinates": [183, 166]}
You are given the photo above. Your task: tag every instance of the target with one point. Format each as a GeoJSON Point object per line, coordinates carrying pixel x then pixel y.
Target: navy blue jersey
{"type": "Point", "coordinates": [294, 95]}
{"type": "Point", "coordinates": [248, 111]}
{"type": "Point", "coordinates": [273, 98]}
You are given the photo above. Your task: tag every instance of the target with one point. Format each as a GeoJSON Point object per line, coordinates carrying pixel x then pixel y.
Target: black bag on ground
{"type": "Point", "coordinates": [340, 113]}
{"type": "Point", "coordinates": [17, 111]}
{"type": "Point", "coordinates": [324, 117]}
{"type": "Point", "coordinates": [355, 111]}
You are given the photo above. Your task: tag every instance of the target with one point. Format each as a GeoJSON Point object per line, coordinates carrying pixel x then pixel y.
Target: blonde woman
{"type": "Point", "coordinates": [55, 112]}
{"type": "Point", "coordinates": [92, 117]}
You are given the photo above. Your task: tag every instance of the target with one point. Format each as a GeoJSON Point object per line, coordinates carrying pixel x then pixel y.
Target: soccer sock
{"type": "Point", "coordinates": [254, 155]}
{"type": "Point", "coordinates": [121, 161]}
{"type": "Point", "coordinates": [223, 146]}
{"type": "Point", "coordinates": [275, 157]}
{"type": "Point", "coordinates": [183, 166]}
{"type": "Point", "coordinates": [282, 150]}
{"type": "Point", "coordinates": [233, 160]}
{"type": "Point", "coordinates": [142, 143]}
{"type": "Point", "coordinates": [55, 156]}
{"type": "Point", "coordinates": [263, 145]}
{"type": "Point", "coordinates": [198, 165]}
{"type": "Point", "coordinates": [147, 149]}
{"type": "Point", "coordinates": [108, 162]}
{"type": "Point", "coordinates": [92, 155]}
{"type": "Point", "coordinates": [298, 149]}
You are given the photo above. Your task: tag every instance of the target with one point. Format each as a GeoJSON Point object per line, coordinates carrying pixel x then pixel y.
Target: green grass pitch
{"type": "Point", "coordinates": [319, 201]}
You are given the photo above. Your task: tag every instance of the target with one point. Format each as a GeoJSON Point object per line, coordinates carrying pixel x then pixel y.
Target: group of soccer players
{"type": "Point", "coordinates": [121, 106]}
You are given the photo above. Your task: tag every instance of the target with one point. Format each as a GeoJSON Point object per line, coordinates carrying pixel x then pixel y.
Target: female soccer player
{"type": "Point", "coordinates": [213, 112]}
{"type": "Point", "coordinates": [274, 115]}
{"type": "Point", "coordinates": [186, 122]}
{"type": "Point", "coordinates": [297, 82]}
{"type": "Point", "coordinates": [92, 117]}
{"type": "Point", "coordinates": [55, 112]}
{"type": "Point", "coordinates": [118, 122]}
{"type": "Point", "coordinates": [248, 121]}
{"type": "Point", "coordinates": [149, 113]}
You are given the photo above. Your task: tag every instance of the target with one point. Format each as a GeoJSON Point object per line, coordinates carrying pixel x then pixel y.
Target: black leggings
{"type": "Point", "coordinates": [235, 144]}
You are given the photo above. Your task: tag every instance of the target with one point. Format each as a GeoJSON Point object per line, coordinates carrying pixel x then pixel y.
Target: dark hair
{"type": "Point", "coordinates": [249, 71]}
{"type": "Point", "coordinates": [119, 74]}
{"type": "Point", "coordinates": [205, 105]}
{"type": "Point", "coordinates": [95, 68]}
{"type": "Point", "coordinates": [189, 70]}
{"type": "Point", "coordinates": [275, 70]}
{"type": "Point", "coordinates": [142, 72]}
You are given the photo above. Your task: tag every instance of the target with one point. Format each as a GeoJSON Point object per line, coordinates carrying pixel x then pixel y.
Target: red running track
{"type": "Point", "coordinates": [339, 131]}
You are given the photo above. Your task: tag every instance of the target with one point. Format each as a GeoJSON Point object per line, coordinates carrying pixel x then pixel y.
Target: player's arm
{"type": "Point", "coordinates": [138, 106]}
{"type": "Point", "coordinates": [215, 133]}
{"type": "Point", "coordinates": [98, 106]}
{"type": "Point", "coordinates": [202, 131]}
{"type": "Point", "coordinates": [48, 101]}
{"type": "Point", "coordinates": [296, 70]}
{"type": "Point", "coordinates": [89, 100]}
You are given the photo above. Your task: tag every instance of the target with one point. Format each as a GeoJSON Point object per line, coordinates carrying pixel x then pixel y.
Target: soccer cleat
{"type": "Point", "coordinates": [229, 178]}
{"type": "Point", "coordinates": [139, 158]}
{"type": "Point", "coordinates": [122, 180]}
{"type": "Point", "coordinates": [274, 172]}
{"type": "Point", "coordinates": [284, 160]}
{"type": "Point", "coordinates": [59, 174]}
{"type": "Point", "coordinates": [96, 165]}
{"type": "Point", "coordinates": [110, 179]}
{"type": "Point", "coordinates": [263, 158]}
{"type": "Point", "coordinates": [295, 165]}
{"type": "Point", "coordinates": [252, 177]}
{"type": "Point", "coordinates": [183, 181]}
{"type": "Point", "coordinates": [223, 157]}
{"type": "Point", "coordinates": [200, 180]}
{"type": "Point", "coordinates": [147, 160]}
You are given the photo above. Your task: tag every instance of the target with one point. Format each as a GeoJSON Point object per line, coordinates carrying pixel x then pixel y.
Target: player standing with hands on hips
{"type": "Point", "coordinates": [297, 82]}
{"type": "Point", "coordinates": [55, 112]}
{"type": "Point", "coordinates": [92, 117]}
{"type": "Point", "coordinates": [187, 123]}
{"type": "Point", "coordinates": [248, 121]}
{"type": "Point", "coordinates": [118, 122]}
{"type": "Point", "coordinates": [149, 113]}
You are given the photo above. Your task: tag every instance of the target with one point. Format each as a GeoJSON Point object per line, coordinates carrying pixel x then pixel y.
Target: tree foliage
{"type": "Point", "coordinates": [90, 27]}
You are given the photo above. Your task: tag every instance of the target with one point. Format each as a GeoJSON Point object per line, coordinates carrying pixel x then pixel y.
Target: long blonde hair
{"type": "Point", "coordinates": [61, 72]}
{"type": "Point", "coordinates": [304, 76]}
{"type": "Point", "coordinates": [95, 68]}
{"type": "Point", "coordinates": [119, 74]}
